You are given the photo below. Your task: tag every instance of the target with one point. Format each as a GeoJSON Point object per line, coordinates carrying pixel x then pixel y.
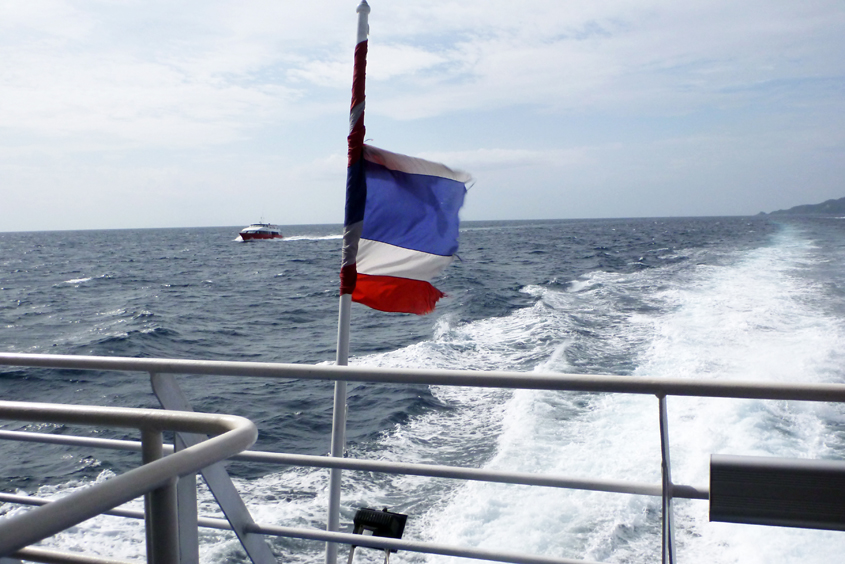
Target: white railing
{"type": "Point", "coordinates": [250, 533]}
{"type": "Point", "coordinates": [156, 477]}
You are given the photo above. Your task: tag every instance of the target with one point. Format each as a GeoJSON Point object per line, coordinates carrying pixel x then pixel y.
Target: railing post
{"type": "Point", "coordinates": [186, 510]}
{"type": "Point", "coordinates": [216, 478]}
{"type": "Point", "coordinates": [338, 425]}
{"type": "Point", "coordinates": [668, 521]}
{"type": "Point", "coordinates": [160, 508]}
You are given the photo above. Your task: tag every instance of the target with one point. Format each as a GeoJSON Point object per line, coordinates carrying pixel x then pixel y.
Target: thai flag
{"type": "Point", "coordinates": [401, 229]}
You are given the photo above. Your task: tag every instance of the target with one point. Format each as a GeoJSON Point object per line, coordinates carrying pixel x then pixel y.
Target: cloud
{"type": "Point", "coordinates": [209, 73]}
{"type": "Point", "coordinates": [654, 56]}
{"type": "Point", "coordinates": [149, 87]}
{"type": "Point", "coordinates": [244, 101]}
{"type": "Point", "coordinates": [492, 160]}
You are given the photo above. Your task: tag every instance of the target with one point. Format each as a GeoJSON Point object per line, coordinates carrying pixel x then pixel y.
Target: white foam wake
{"type": "Point", "coordinates": [759, 318]}
{"type": "Point", "coordinates": [755, 317]}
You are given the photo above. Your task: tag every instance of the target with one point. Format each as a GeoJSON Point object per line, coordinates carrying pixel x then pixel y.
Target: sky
{"type": "Point", "coordinates": [136, 114]}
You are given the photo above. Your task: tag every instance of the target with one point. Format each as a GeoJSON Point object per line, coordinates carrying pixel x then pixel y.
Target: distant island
{"type": "Point", "coordinates": [830, 207]}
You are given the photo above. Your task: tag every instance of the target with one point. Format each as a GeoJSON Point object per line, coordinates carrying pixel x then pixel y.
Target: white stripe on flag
{"type": "Point", "coordinates": [412, 165]}
{"type": "Point", "coordinates": [381, 259]}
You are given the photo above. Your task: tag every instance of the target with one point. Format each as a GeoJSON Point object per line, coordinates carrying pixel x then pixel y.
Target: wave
{"type": "Point", "coordinates": [753, 318]}
{"type": "Point", "coordinates": [711, 313]}
{"type": "Point", "coordinates": [312, 237]}
{"type": "Point", "coordinates": [79, 281]}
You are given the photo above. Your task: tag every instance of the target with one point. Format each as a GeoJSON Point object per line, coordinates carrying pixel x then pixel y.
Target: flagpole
{"type": "Point", "coordinates": [338, 424]}
{"type": "Point", "coordinates": [355, 148]}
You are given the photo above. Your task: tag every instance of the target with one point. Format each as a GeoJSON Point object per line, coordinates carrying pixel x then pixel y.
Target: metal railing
{"type": "Point", "coordinates": [156, 477]}
{"type": "Point", "coordinates": [660, 388]}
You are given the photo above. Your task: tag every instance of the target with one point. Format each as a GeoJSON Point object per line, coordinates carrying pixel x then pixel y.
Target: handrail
{"type": "Point", "coordinates": [411, 469]}
{"type": "Point", "coordinates": [346, 538]}
{"type": "Point", "coordinates": [38, 554]}
{"type": "Point", "coordinates": [234, 434]}
{"type": "Point", "coordinates": [660, 388]}
{"type": "Point", "coordinates": [738, 389]}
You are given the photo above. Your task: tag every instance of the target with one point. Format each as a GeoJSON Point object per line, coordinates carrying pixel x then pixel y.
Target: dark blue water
{"type": "Point", "coordinates": [697, 297]}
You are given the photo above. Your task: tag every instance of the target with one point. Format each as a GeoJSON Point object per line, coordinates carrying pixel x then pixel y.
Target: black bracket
{"type": "Point", "coordinates": [382, 523]}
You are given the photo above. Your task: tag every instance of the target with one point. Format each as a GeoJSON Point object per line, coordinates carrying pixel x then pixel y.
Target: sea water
{"type": "Point", "coordinates": [702, 298]}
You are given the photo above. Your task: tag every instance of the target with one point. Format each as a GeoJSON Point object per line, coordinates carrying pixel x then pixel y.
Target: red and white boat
{"type": "Point", "coordinates": [260, 231]}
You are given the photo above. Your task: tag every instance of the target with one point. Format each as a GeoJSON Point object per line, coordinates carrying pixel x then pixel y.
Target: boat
{"type": "Point", "coordinates": [260, 231]}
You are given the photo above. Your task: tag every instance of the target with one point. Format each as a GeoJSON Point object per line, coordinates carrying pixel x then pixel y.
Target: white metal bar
{"type": "Point", "coordinates": [47, 556]}
{"type": "Point", "coordinates": [473, 474]}
{"type": "Point", "coordinates": [207, 522]}
{"type": "Point", "coordinates": [350, 539]}
{"type": "Point", "coordinates": [431, 470]}
{"type": "Point", "coordinates": [415, 546]}
{"type": "Point", "coordinates": [235, 434]}
{"type": "Point", "coordinates": [151, 443]}
{"type": "Point", "coordinates": [166, 540]}
{"type": "Point", "coordinates": [216, 478]}
{"type": "Point", "coordinates": [160, 503]}
{"type": "Point", "coordinates": [562, 382]}
{"type": "Point", "coordinates": [338, 444]}
{"type": "Point", "coordinates": [71, 440]}
{"type": "Point", "coordinates": [494, 379]}
{"type": "Point", "coordinates": [335, 474]}
{"type": "Point", "coordinates": [35, 500]}
{"type": "Point", "coordinates": [668, 511]}
{"type": "Point", "coordinates": [186, 508]}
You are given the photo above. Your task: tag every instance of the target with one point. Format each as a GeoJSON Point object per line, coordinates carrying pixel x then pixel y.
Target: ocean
{"type": "Point", "coordinates": [751, 298]}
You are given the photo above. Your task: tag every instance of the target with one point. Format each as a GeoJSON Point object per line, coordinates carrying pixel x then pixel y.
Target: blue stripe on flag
{"type": "Point", "coordinates": [356, 193]}
{"type": "Point", "coordinates": [412, 211]}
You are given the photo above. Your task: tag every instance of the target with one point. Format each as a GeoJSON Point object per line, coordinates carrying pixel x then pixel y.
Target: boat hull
{"type": "Point", "coordinates": [259, 236]}
{"type": "Point", "coordinates": [260, 231]}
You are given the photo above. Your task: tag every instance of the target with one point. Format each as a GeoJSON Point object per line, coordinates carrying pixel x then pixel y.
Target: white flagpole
{"type": "Point", "coordinates": [338, 424]}
{"type": "Point", "coordinates": [356, 125]}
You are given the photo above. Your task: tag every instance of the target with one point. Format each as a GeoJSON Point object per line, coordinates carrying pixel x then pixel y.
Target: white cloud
{"type": "Point", "coordinates": [138, 94]}
{"type": "Point", "coordinates": [488, 160]}
{"type": "Point", "coordinates": [664, 57]}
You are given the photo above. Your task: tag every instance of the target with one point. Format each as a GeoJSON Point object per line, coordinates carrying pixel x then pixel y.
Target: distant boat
{"type": "Point", "coordinates": [260, 231]}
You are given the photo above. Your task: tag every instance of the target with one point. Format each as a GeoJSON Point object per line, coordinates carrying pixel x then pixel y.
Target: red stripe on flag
{"type": "Point", "coordinates": [348, 278]}
{"type": "Point", "coordinates": [355, 140]}
{"type": "Point", "coordinates": [389, 293]}
{"type": "Point", "coordinates": [359, 72]}
{"type": "Point", "coordinates": [355, 144]}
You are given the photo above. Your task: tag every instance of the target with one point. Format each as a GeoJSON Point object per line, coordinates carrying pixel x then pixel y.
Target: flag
{"type": "Point", "coordinates": [400, 230]}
